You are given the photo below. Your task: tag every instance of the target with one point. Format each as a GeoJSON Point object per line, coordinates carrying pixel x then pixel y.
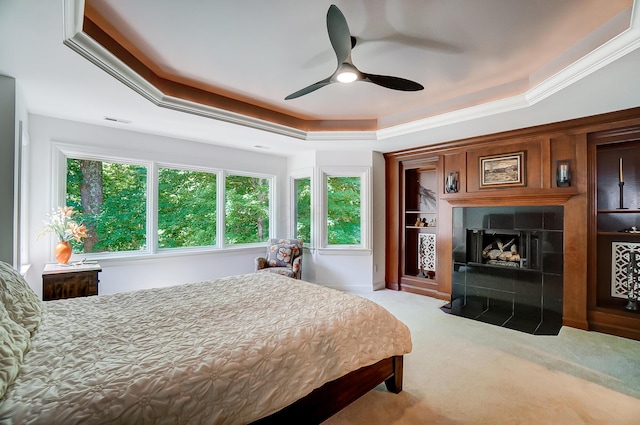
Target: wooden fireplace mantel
{"type": "Point", "coordinates": [532, 197]}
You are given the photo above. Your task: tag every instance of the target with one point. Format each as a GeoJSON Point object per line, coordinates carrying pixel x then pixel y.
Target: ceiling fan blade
{"type": "Point", "coordinates": [339, 33]}
{"type": "Point", "coordinates": [395, 83]}
{"type": "Point", "coordinates": [309, 89]}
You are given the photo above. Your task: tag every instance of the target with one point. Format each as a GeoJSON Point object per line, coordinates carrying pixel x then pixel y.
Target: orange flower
{"type": "Point", "coordinates": [67, 211]}
{"type": "Point", "coordinates": [77, 231]}
{"type": "Point", "coordinates": [62, 224]}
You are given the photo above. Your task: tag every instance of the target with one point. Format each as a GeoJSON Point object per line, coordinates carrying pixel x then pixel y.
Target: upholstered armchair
{"type": "Point", "coordinates": [284, 256]}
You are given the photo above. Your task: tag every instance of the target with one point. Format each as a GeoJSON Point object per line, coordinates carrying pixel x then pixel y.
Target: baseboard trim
{"type": "Point", "coordinates": [349, 288]}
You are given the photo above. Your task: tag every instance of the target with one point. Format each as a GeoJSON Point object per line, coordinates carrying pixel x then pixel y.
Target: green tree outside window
{"type": "Point", "coordinates": [343, 211]}
{"type": "Point", "coordinates": [302, 189]}
{"type": "Point", "coordinates": [112, 200]}
{"type": "Point", "coordinates": [186, 208]}
{"type": "Point", "coordinates": [246, 209]}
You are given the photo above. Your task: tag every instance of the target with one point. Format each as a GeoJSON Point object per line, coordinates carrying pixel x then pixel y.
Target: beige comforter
{"type": "Point", "coordinates": [226, 351]}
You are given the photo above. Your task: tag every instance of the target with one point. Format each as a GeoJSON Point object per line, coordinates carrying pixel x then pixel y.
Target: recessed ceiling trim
{"type": "Point", "coordinates": [319, 136]}
{"type": "Point", "coordinates": [105, 60]}
{"type": "Point", "coordinates": [182, 105]}
{"type": "Point", "coordinates": [96, 45]}
{"type": "Point", "coordinates": [458, 116]}
{"type": "Point", "coordinates": [617, 47]}
{"type": "Point", "coordinates": [75, 38]}
{"type": "Point", "coordinates": [626, 42]}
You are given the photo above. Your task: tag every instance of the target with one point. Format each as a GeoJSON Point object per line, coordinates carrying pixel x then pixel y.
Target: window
{"type": "Point", "coordinates": [186, 208]}
{"type": "Point", "coordinates": [343, 211]}
{"type": "Point", "coordinates": [346, 207]}
{"type": "Point", "coordinates": [133, 207]}
{"type": "Point", "coordinates": [302, 208]}
{"type": "Point", "coordinates": [247, 209]}
{"type": "Point", "coordinates": [112, 199]}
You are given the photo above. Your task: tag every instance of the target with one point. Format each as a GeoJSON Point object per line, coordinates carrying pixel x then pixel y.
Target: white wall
{"type": "Point", "coordinates": [353, 269]}
{"type": "Point", "coordinates": [159, 270]}
{"type": "Point", "coordinates": [124, 276]}
{"type": "Point", "coordinates": [350, 269]}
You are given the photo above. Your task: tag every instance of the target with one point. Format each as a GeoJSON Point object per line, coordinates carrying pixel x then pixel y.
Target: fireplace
{"type": "Point", "coordinates": [508, 267]}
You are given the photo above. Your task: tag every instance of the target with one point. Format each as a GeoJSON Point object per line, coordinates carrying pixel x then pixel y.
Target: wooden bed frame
{"type": "Point", "coordinates": [333, 396]}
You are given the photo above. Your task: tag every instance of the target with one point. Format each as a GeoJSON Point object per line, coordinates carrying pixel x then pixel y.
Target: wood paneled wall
{"type": "Point", "coordinates": [544, 145]}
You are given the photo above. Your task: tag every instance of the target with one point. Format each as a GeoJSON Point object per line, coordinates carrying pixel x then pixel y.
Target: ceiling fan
{"type": "Point", "coordinates": [342, 43]}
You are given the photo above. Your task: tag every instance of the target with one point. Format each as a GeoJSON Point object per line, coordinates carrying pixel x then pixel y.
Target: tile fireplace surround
{"type": "Point", "coordinates": [508, 267]}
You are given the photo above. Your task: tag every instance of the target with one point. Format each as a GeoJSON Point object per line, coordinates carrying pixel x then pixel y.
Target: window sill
{"type": "Point", "coordinates": [343, 251]}
{"type": "Point", "coordinates": [118, 258]}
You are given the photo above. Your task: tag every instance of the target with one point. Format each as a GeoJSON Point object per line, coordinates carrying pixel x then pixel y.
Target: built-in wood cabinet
{"type": "Point", "coordinates": [412, 262]}
{"type": "Point", "coordinates": [418, 271]}
{"type": "Point", "coordinates": [615, 205]}
{"type": "Point", "coordinates": [590, 147]}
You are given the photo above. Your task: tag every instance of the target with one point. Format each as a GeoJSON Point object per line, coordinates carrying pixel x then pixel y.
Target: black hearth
{"type": "Point", "coordinates": [508, 266]}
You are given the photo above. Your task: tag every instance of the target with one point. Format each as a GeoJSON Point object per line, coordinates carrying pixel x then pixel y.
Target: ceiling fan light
{"type": "Point", "coordinates": [347, 73]}
{"type": "Point", "coordinates": [347, 77]}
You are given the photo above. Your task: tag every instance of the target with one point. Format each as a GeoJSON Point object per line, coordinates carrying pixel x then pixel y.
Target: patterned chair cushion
{"type": "Point", "coordinates": [281, 255]}
{"type": "Point", "coordinates": [284, 257]}
{"type": "Point", "coordinates": [284, 271]}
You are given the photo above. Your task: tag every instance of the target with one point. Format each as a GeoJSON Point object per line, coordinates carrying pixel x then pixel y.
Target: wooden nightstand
{"type": "Point", "coordinates": [69, 281]}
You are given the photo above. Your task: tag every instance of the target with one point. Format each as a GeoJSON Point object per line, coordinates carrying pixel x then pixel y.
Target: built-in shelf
{"type": "Point", "coordinates": [619, 211]}
{"type": "Point", "coordinates": [419, 202]}
{"type": "Point", "coordinates": [607, 312]}
{"type": "Point", "coordinates": [425, 278]}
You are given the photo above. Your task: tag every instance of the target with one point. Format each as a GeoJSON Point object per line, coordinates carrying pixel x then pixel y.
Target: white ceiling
{"type": "Point", "coordinates": [487, 66]}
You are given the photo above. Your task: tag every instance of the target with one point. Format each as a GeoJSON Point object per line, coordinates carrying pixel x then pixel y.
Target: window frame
{"type": "Point", "coordinates": [272, 210]}
{"type": "Point", "coordinates": [293, 177]}
{"type": "Point", "coordinates": [365, 208]}
{"type": "Point", "coordinates": [59, 192]}
{"type": "Point", "coordinates": [62, 151]}
{"type": "Point", "coordinates": [219, 176]}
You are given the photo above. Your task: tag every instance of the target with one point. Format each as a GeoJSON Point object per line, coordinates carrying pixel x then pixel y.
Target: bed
{"type": "Point", "coordinates": [257, 348]}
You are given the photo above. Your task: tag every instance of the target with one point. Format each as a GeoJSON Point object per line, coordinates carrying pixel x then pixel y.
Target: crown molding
{"type": "Point", "coordinates": [76, 39]}
{"type": "Point", "coordinates": [614, 49]}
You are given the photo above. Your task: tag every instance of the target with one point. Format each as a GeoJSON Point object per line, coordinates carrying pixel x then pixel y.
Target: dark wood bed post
{"type": "Point", "coordinates": [324, 402]}
{"type": "Point", "coordinates": [394, 383]}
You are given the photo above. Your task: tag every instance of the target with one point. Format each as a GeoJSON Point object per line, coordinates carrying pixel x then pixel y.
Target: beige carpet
{"type": "Point", "coordinates": [466, 372]}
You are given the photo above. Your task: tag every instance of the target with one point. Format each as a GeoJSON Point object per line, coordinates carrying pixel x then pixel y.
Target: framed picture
{"type": "Point", "coordinates": [502, 170]}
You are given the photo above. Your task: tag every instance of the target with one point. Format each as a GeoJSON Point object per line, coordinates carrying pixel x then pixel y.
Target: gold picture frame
{"type": "Point", "coordinates": [504, 170]}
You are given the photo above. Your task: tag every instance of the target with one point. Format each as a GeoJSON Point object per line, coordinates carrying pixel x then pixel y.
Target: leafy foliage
{"type": "Point", "coordinates": [120, 224]}
{"type": "Point", "coordinates": [343, 210]}
{"type": "Point", "coordinates": [246, 209]}
{"type": "Point", "coordinates": [186, 208]}
{"type": "Point", "coordinates": [303, 209]}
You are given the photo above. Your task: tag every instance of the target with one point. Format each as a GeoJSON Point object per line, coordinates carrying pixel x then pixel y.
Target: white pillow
{"type": "Point", "coordinates": [22, 304]}
{"type": "Point", "coordinates": [14, 343]}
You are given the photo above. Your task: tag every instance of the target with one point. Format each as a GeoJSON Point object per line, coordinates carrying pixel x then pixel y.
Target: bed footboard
{"type": "Point", "coordinates": [334, 396]}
